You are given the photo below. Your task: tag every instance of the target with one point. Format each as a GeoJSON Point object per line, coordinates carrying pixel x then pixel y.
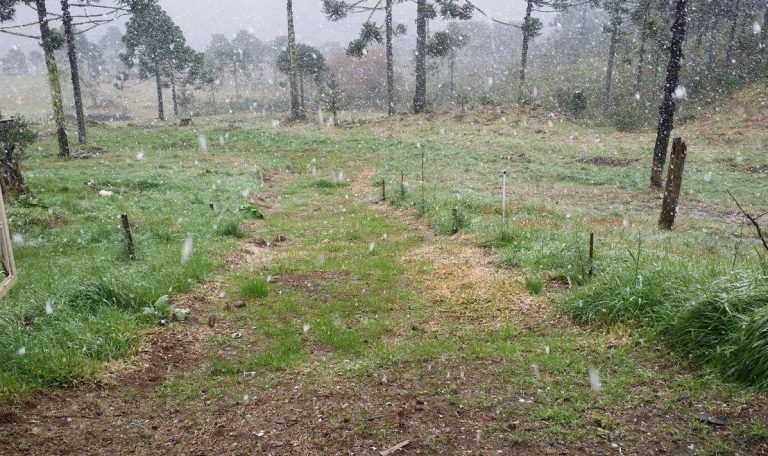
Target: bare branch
{"type": "Point", "coordinates": [753, 220]}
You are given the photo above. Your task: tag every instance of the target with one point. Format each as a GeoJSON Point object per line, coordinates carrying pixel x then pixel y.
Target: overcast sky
{"type": "Point", "coordinates": [199, 19]}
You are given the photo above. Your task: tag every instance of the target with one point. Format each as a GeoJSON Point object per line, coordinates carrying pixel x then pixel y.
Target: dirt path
{"type": "Point", "coordinates": [449, 375]}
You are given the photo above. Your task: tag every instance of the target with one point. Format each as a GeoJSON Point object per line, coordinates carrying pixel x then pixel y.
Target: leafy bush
{"type": "Point", "coordinates": [15, 136]}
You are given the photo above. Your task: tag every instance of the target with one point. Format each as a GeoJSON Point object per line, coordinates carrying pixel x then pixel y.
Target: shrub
{"type": "Point", "coordinates": [15, 136]}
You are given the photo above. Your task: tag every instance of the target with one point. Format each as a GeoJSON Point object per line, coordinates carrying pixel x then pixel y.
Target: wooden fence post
{"type": "Point", "coordinates": [128, 236]}
{"type": "Point", "coordinates": [383, 189]}
{"type": "Point", "coordinates": [674, 183]}
{"type": "Point", "coordinates": [591, 254]}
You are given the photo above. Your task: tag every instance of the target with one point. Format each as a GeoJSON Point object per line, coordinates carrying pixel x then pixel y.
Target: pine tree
{"type": "Point", "coordinates": [155, 45]}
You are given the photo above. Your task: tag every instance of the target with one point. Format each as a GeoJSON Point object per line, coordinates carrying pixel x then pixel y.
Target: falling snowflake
{"type": "Point", "coordinates": [186, 250]}
{"type": "Point", "coordinates": [594, 379]}
{"type": "Point", "coordinates": [48, 307]}
{"type": "Point", "coordinates": [681, 93]}
{"type": "Point", "coordinates": [21, 351]}
{"type": "Point", "coordinates": [202, 140]}
{"type": "Point", "coordinates": [140, 156]}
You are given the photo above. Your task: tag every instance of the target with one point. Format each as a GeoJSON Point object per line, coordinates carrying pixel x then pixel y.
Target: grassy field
{"type": "Point", "coordinates": [341, 322]}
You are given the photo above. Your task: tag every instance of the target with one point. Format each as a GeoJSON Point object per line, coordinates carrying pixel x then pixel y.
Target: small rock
{"type": "Point", "coordinates": [239, 304]}
{"type": "Point", "coordinates": [212, 321]}
{"type": "Point", "coordinates": [236, 335]}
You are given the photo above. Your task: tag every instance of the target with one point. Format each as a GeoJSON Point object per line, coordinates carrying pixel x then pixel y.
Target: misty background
{"type": "Point", "coordinates": [266, 19]}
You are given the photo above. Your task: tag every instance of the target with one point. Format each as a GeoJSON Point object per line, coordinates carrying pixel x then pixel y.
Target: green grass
{"type": "Point", "coordinates": [340, 308]}
{"type": "Point", "coordinates": [70, 250]}
{"type": "Point", "coordinates": [254, 288]}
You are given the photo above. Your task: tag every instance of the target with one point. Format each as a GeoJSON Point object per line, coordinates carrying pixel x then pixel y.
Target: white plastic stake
{"type": "Point", "coordinates": [503, 203]}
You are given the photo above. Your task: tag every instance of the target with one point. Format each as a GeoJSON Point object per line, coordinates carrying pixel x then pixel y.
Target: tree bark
{"type": "Point", "coordinates": [524, 58]}
{"type": "Point", "coordinates": [668, 105]}
{"type": "Point", "coordinates": [420, 98]}
{"type": "Point", "coordinates": [160, 108]}
{"type": "Point", "coordinates": [390, 60]}
{"type": "Point", "coordinates": [53, 78]}
{"type": "Point", "coordinates": [69, 33]}
{"type": "Point", "coordinates": [297, 113]}
{"type": "Point", "coordinates": [615, 24]}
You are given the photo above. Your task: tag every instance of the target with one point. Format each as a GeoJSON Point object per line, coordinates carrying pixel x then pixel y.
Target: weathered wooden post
{"type": "Point", "coordinates": [128, 236]}
{"type": "Point", "coordinates": [591, 254]}
{"type": "Point", "coordinates": [402, 185]}
{"type": "Point", "coordinates": [674, 183]}
{"type": "Point", "coordinates": [6, 253]}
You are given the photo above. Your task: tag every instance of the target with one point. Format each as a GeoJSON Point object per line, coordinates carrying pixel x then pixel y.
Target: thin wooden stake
{"type": "Point", "coordinates": [383, 189]}
{"type": "Point", "coordinates": [591, 254]}
{"type": "Point", "coordinates": [402, 185]}
{"type": "Point", "coordinates": [128, 236]}
{"type": "Point", "coordinates": [674, 183]}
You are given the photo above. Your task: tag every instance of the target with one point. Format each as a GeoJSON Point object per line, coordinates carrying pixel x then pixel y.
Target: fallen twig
{"type": "Point", "coordinates": [395, 448]}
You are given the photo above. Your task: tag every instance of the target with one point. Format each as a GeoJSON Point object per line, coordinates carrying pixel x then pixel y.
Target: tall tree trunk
{"type": "Point", "coordinates": [732, 33]}
{"type": "Point", "coordinates": [390, 60]}
{"type": "Point", "coordinates": [297, 112]}
{"type": "Point", "coordinates": [712, 49]}
{"type": "Point", "coordinates": [641, 59]}
{"type": "Point", "coordinates": [53, 78]}
{"type": "Point", "coordinates": [69, 33]}
{"type": "Point", "coordinates": [301, 91]}
{"type": "Point", "coordinates": [615, 24]}
{"type": "Point", "coordinates": [160, 108]}
{"type": "Point", "coordinates": [764, 30]}
{"type": "Point", "coordinates": [526, 44]}
{"type": "Point", "coordinates": [452, 69]}
{"type": "Point", "coordinates": [173, 95]}
{"type": "Point", "coordinates": [420, 98]}
{"type": "Point", "coordinates": [234, 78]}
{"type": "Point", "coordinates": [668, 105]}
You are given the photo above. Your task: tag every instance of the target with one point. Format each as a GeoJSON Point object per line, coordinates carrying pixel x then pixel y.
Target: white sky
{"type": "Point", "coordinates": [199, 19]}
